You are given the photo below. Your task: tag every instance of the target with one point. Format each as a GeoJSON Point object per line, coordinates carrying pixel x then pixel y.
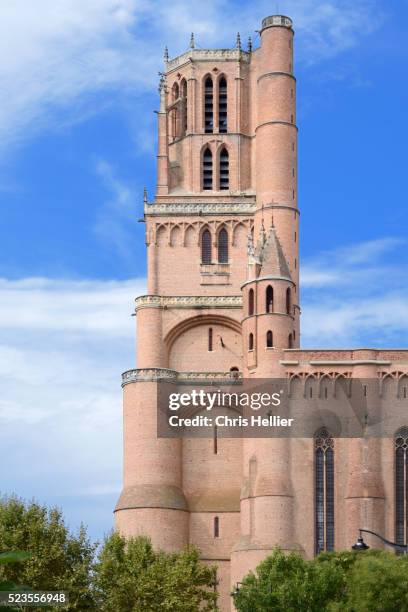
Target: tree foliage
{"type": "Point", "coordinates": [373, 581]}
{"type": "Point", "coordinates": [57, 560]}
{"type": "Point", "coordinates": [132, 577]}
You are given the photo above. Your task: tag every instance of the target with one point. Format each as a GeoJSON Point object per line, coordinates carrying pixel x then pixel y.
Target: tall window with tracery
{"type": "Point", "coordinates": [324, 491]}
{"type": "Point", "coordinates": [223, 246]}
{"type": "Point", "coordinates": [401, 489]}
{"type": "Point", "coordinates": [208, 106]}
{"type": "Point", "coordinates": [222, 106]}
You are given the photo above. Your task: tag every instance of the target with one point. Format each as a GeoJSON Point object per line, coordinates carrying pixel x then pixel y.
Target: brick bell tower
{"type": "Point", "coordinates": [222, 240]}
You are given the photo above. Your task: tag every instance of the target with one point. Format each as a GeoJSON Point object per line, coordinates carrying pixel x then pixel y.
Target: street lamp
{"type": "Point", "coordinates": [361, 545]}
{"type": "Point", "coordinates": [236, 590]}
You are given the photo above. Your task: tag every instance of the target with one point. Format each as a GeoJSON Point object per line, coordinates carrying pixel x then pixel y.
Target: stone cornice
{"type": "Point", "coordinates": [207, 55]}
{"type": "Point", "coordinates": [165, 374]}
{"type": "Point", "coordinates": [189, 301]}
{"type": "Point", "coordinates": [167, 210]}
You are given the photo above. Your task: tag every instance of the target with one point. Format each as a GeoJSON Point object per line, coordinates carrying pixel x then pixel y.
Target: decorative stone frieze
{"type": "Point", "coordinates": [189, 301]}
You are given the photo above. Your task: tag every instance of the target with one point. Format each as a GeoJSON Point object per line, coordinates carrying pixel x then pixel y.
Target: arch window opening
{"type": "Point", "coordinates": [324, 491]}
{"type": "Point", "coordinates": [288, 300]}
{"type": "Point", "coordinates": [269, 299]}
{"type": "Point", "coordinates": [208, 106]}
{"type": "Point", "coordinates": [223, 246]}
{"type": "Point", "coordinates": [210, 339]}
{"type": "Point", "coordinates": [222, 106]}
{"type": "Point", "coordinates": [401, 486]}
{"type": "Point", "coordinates": [251, 342]}
{"type": "Point", "coordinates": [224, 170]}
{"type": "Point", "coordinates": [206, 247]}
{"type": "Point", "coordinates": [269, 339]}
{"type": "Point", "coordinates": [207, 170]}
{"type": "Point", "coordinates": [251, 300]}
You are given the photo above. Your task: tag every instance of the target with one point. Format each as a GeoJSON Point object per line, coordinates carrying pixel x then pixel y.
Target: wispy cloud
{"type": "Point", "coordinates": [58, 56]}
{"type": "Point", "coordinates": [118, 213]}
{"type": "Point", "coordinates": [354, 296]}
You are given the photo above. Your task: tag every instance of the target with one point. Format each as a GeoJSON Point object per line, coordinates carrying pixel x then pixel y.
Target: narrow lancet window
{"type": "Point", "coordinates": [324, 491]}
{"type": "Point", "coordinates": [208, 106]}
{"type": "Point", "coordinates": [269, 299]}
{"type": "Point", "coordinates": [269, 339]}
{"type": "Point", "coordinates": [206, 247]}
{"type": "Point", "coordinates": [210, 339]}
{"type": "Point", "coordinates": [251, 342]}
{"type": "Point", "coordinates": [251, 300]}
{"type": "Point", "coordinates": [224, 169]}
{"type": "Point", "coordinates": [222, 106]}
{"type": "Point", "coordinates": [207, 170]}
{"type": "Point", "coordinates": [223, 246]}
{"type": "Point", "coordinates": [401, 492]}
{"type": "Point", "coordinates": [288, 301]}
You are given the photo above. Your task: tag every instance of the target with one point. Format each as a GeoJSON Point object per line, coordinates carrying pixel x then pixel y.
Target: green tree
{"type": "Point", "coordinates": [378, 584]}
{"type": "Point", "coordinates": [288, 582]}
{"type": "Point", "coordinates": [58, 559]}
{"type": "Point", "coordinates": [132, 577]}
{"type": "Point", "coordinates": [371, 581]}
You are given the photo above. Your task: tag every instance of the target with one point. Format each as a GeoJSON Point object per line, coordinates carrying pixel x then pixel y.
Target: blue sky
{"type": "Point", "coordinates": [78, 87]}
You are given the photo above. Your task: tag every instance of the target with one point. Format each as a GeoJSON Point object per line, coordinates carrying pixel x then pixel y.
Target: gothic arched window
{"type": "Point", "coordinates": [324, 491]}
{"type": "Point", "coordinates": [288, 300]}
{"type": "Point", "coordinates": [269, 339]}
{"type": "Point", "coordinates": [251, 342]}
{"type": "Point", "coordinates": [206, 247]}
{"type": "Point", "coordinates": [251, 302]}
{"type": "Point", "coordinates": [269, 299]}
{"type": "Point", "coordinates": [224, 169]}
{"type": "Point", "coordinates": [208, 106]}
{"type": "Point", "coordinates": [222, 105]}
{"type": "Point", "coordinates": [223, 246]}
{"type": "Point", "coordinates": [207, 170]}
{"type": "Point", "coordinates": [401, 519]}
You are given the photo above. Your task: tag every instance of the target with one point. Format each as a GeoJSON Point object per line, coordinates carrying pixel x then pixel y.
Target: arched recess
{"type": "Point", "coordinates": [175, 236]}
{"type": "Point", "coordinates": [206, 240]}
{"type": "Point", "coordinates": [227, 351]}
{"type": "Point", "coordinates": [190, 236]}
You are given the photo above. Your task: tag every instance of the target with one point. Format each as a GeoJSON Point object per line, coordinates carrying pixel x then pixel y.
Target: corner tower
{"type": "Point", "coordinates": [222, 227]}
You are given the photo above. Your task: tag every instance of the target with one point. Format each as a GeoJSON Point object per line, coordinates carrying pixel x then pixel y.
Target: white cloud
{"type": "Point", "coordinates": [57, 56]}
{"type": "Point", "coordinates": [352, 296]}
{"type": "Point", "coordinates": [63, 347]}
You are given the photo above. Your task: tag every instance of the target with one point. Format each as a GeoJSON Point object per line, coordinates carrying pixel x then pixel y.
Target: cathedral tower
{"type": "Point", "coordinates": [222, 240]}
{"type": "Point", "coordinates": [222, 304]}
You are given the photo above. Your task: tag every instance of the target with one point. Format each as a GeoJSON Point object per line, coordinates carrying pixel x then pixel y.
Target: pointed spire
{"type": "Point", "coordinates": [192, 41]}
{"type": "Point", "coordinates": [238, 42]}
{"type": "Point", "coordinates": [166, 54]}
{"type": "Point", "coordinates": [162, 82]}
{"type": "Point", "coordinates": [249, 44]}
{"type": "Point", "coordinates": [144, 196]}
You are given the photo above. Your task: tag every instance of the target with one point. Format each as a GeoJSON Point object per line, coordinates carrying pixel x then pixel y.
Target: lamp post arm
{"type": "Point", "coordinates": [401, 547]}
